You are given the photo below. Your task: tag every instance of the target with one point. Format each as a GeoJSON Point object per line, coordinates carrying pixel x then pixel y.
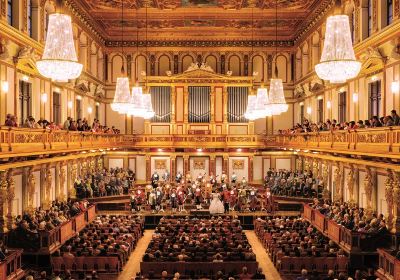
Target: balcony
{"type": "Point", "coordinates": [373, 141]}
{"type": "Point", "coordinates": [383, 142]}
{"type": "Point", "coordinates": [23, 141]}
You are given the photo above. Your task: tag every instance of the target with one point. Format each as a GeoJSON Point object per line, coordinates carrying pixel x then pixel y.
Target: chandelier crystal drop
{"type": "Point", "coordinates": [251, 106]}
{"type": "Point", "coordinates": [59, 61]}
{"type": "Point", "coordinates": [277, 102]}
{"type": "Point", "coordinates": [122, 97]}
{"type": "Point", "coordinates": [338, 62]}
{"type": "Point", "coordinates": [148, 106]}
{"type": "Point", "coordinates": [138, 109]}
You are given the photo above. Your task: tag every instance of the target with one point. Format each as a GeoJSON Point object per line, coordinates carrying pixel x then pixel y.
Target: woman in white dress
{"type": "Point", "coordinates": [216, 206]}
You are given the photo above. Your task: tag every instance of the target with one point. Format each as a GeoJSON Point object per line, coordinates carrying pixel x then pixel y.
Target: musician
{"type": "Point", "coordinates": [232, 199]}
{"type": "Point", "coordinates": [174, 200]}
{"type": "Point", "coordinates": [269, 202]}
{"type": "Point", "coordinates": [223, 177]}
{"type": "Point", "coordinates": [242, 199]}
{"type": "Point", "coordinates": [226, 198]}
{"type": "Point", "coordinates": [208, 189]}
{"type": "Point", "coordinates": [243, 183]}
{"type": "Point", "coordinates": [253, 199]}
{"type": "Point", "coordinates": [133, 202]}
{"type": "Point", "coordinates": [154, 179]}
{"type": "Point", "coordinates": [181, 200]}
{"type": "Point", "coordinates": [166, 176]}
{"type": "Point", "coordinates": [213, 180]}
{"type": "Point", "coordinates": [159, 198]}
{"type": "Point", "coordinates": [198, 197]}
{"type": "Point", "coordinates": [233, 178]}
{"type": "Point", "coordinates": [178, 177]}
{"type": "Point", "coordinates": [153, 201]}
{"type": "Point", "coordinates": [188, 178]}
{"type": "Point", "coordinates": [148, 190]}
{"type": "Point", "coordinates": [167, 191]}
{"type": "Point", "coordinates": [140, 197]}
{"type": "Point", "coordinates": [200, 177]}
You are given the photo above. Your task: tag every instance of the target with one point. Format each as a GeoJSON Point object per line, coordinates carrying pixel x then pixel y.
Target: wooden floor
{"type": "Point", "coordinates": [263, 259]}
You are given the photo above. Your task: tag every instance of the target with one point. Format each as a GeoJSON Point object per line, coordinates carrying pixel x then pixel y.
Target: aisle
{"type": "Point", "coordinates": [133, 265]}
{"type": "Point", "coordinates": [262, 257]}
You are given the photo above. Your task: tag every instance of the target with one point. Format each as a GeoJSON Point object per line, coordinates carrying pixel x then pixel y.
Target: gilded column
{"type": "Point", "coordinates": [325, 179]}
{"type": "Point", "coordinates": [396, 9]}
{"type": "Point", "coordinates": [357, 10]}
{"type": "Point", "coordinates": [375, 16]}
{"type": "Point", "coordinates": [57, 185]}
{"type": "Point", "coordinates": [225, 105]}
{"type": "Point", "coordinates": [186, 166]}
{"type": "Point", "coordinates": [173, 167]}
{"type": "Point", "coordinates": [299, 163]}
{"type": "Point", "coordinates": [10, 199]}
{"type": "Point", "coordinates": [389, 198]}
{"type": "Point", "coordinates": [368, 188]}
{"type": "Point", "coordinates": [315, 168]}
{"type": "Point", "coordinates": [225, 165]}
{"type": "Point", "coordinates": [47, 189]}
{"type": "Point", "coordinates": [212, 165]}
{"type": "Point", "coordinates": [350, 184]}
{"type": "Point", "coordinates": [337, 182]}
{"type": "Point", "coordinates": [63, 176]}
{"type": "Point", "coordinates": [173, 99]}
{"type": "Point", "coordinates": [306, 164]}
{"type": "Point", "coordinates": [3, 7]}
{"type": "Point", "coordinates": [148, 168]}
{"type": "Point", "coordinates": [212, 108]}
{"type": "Point", "coordinates": [72, 178]}
{"type": "Point", "coordinates": [396, 201]}
{"type": "Point", "coordinates": [251, 166]}
{"type": "Point", "coordinates": [3, 200]}
{"type": "Point", "coordinates": [99, 164]}
{"type": "Point", "coordinates": [186, 107]}
{"type": "Point", "coordinates": [30, 195]}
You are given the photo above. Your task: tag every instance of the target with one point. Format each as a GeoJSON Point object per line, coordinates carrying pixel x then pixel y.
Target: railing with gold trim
{"type": "Point", "coordinates": [372, 140]}
{"type": "Point", "coordinates": [23, 140]}
{"type": "Point", "coordinates": [389, 266]}
{"type": "Point", "coordinates": [10, 267]}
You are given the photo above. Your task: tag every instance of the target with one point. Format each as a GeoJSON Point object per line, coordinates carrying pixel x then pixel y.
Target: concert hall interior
{"type": "Point", "coordinates": [200, 139]}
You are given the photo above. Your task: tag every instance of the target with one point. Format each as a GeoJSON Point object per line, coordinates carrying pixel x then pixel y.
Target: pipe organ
{"type": "Point", "coordinates": [199, 101]}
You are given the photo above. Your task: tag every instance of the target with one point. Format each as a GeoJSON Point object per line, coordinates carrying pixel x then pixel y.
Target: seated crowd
{"type": "Point", "coordinates": [114, 181]}
{"type": "Point", "coordinates": [27, 226]}
{"type": "Point", "coordinates": [293, 183]}
{"type": "Point", "coordinates": [330, 125]}
{"type": "Point", "coordinates": [70, 124]}
{"type": "Point", "coordinates": [185, 240]}
{"type": "Point", "coordinates": [352, 217]}
{"type": "Point", "coordinates": [114, 235]}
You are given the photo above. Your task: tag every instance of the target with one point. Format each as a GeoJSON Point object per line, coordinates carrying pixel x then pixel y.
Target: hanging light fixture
{"type": "Point", "coordinates": [59, 61]}
{"type": "Point", "coordinates": [257, 105]}
{"type": "Point", "coordinates": [338, 62]}
{"type": "Point", "coordinates": [146, 98]}
{"type": "Point", "coordinates": [262, 108]}
{"type": "Point", "coordinates": [277, 103]}
{"type": "Point", "coordinates": [122, 97]}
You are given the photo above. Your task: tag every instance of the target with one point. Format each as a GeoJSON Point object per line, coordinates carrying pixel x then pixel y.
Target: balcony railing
{"type": "Point", "coordinates": [384, 140]}
{"type": "Point", "coordinates": [374, 141]}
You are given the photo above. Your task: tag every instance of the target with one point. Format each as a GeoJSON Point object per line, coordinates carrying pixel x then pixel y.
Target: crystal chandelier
{"type": "Point", "coordinates": [251, 106]}
{"type": "Point", "coordinates": [262, 108]}
{"type": "Point", "coordinates": [338, 62]}
{"type": "Point", "coordinates": [59, 61]}
{"type": "Point", "coordinates": [148, 107]}
{"type": "Point", "coordinates": [122, 97]}
{"type": "Point", "coordinates": [277, 103]}
{"type": "Point", "coordinates": [137, 106]}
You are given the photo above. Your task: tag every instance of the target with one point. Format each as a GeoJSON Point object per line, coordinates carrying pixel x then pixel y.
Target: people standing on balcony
{"type": "Point", "coordinates": [11, 120]}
